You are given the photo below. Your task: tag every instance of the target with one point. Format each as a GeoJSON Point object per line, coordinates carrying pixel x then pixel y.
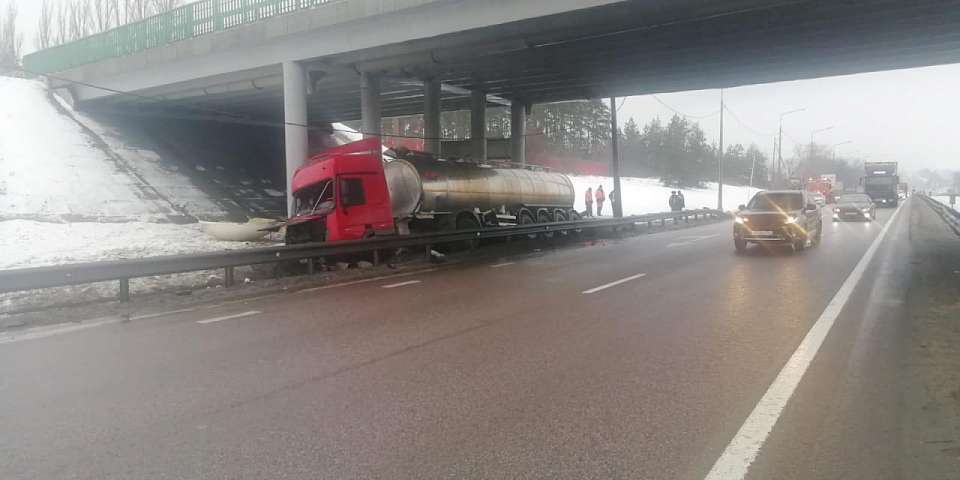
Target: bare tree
{"type": "Point", "coordinates": [61, 23]}
{"type": "Point", "coordinates": [161, 6]}
{"type": "Point", "coordinates": [79, 18]}
{"type": "Point", "coordinates": [44, 38]}
{"type": "Point", "coordinates": [101, 15]}
{"type": "Point", "coordinates": [11, 41]}
{"type": "Point", "coordinates": [136, 10]}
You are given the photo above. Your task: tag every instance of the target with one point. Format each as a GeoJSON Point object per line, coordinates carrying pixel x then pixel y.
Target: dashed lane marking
{"type": "Point", "coordinates": [402, 284]}
{"type": "Point", "coordinates": [504, 264]}
{"type": "Point", "coordinates": [614, 284]}
{"type": "Point", "coordinates": [229, 317]}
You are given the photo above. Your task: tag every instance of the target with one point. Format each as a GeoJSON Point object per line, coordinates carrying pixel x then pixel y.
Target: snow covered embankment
{"type": "Point", "coordinates": [648, 195]}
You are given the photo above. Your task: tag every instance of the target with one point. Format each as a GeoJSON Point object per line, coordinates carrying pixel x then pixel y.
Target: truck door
{"type": "Point", "coordinates": [363, 205]}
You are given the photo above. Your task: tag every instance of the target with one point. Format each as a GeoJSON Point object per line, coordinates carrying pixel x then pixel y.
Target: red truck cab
{"type": "Point", "coordinates": [341, 194]}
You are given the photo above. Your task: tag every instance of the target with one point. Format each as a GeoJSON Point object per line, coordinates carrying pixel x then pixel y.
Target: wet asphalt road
{"type": "Point", "coordinates": [532, 366]}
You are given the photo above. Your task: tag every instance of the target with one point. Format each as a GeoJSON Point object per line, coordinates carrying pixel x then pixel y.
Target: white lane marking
{"type": "Point", "coordinates": [613, 284]}
{"type": "Point", "coordinates": [402, 284]}
{"type": "Point", "coordinates": [367, 280]}
{"type": "Point", "coordinates": [745, 445]}
{"type": "Point", "coordinates": [49, 331]}
{"type": "Point", "coordinates": [229, 317]}
{"type": "Point", "coordinates": [504, 264]}
{"type": "Point", "coordinates": [162, 314]}
{"type": "Point", "coordinates": [692, 240]}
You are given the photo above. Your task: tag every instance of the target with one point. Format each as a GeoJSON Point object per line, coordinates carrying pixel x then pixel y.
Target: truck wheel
{"type": "Point", "coordinates": [543, 216]}
{"type": "Point", "coordinates": [559, 216]}
{"type": "Point", "coordinates": [524, 218]}
{"type": "Point", "coordinates": [468, 222]}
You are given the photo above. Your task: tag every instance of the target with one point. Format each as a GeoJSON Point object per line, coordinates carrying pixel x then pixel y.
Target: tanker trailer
{"type": "Point", "coordinates": [350, 192]}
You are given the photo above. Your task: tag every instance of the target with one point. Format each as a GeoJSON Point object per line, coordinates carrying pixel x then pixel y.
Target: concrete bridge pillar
{"type": "Point", "coordinates": [295, 128]}
{"type": "Point", "coordinates": [370, 108]}
{"type": "Point", "coordinates": [431, 116]}
{"type": "Point", "coordinates": [518, 139]}
{"type": "Point", "coordinates": [478, 124]}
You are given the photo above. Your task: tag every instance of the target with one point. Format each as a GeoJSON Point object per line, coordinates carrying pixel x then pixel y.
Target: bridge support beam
{"type": "Point", "coordinates": [295, 128]}
{"type": "Point", "coordinates": [518, 131]}
{"type": "Point", "coordinates": [431, 116]}
{"type": "Point", "coordinates": [617, 192]}
{"type": "Point", "coordinates": [371, 114]}
{"type": "Point", "coordinates": [478, 124]}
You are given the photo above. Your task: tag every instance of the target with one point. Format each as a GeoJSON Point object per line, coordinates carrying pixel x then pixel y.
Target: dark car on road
{"type": "Point", "coordinates": [786, 217]}
{"type": "Point", "coordinates": [855, 206]}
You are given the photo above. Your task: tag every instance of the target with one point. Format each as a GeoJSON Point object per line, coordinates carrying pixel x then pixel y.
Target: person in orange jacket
{"type": "Point", "coordinates": [600, 199]}
{"type": "Point", "coordinates": [588, 199]}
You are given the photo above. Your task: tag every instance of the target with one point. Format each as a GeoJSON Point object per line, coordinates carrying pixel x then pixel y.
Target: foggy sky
{"type": "Point", "coordinates": [903, 115]}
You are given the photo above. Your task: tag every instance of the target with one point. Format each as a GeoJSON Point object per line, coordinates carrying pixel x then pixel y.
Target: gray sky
{"type": "Point", "coordinates": [903, 115]}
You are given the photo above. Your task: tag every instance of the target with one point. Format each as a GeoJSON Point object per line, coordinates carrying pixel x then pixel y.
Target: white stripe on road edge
{"type": "Point", "coordinates": [745, 445]}
{"type": "Point", "coordinates": [613, 284]}
{"type": "Point", "coordinates": [504, 264]}
{"type": "Point", "coordinates": [229, 317]}
{"type": "Point", "coordinates": [402, 284]}
{"type": "Point", "coordinates": [49, 331]}
{"type": "Point", "coordinates": [367, 280]}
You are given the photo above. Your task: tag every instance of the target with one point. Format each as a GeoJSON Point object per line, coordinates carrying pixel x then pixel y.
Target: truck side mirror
{"type": "Point", "coordinates": [742, 207]}
{"type": "Point", "coordinates": [812, 206]}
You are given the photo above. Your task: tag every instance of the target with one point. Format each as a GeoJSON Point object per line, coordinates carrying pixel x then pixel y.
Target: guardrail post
{"type": "Point", "coordinates": [311, 266]}
{"type": "Point", "coordinates": [427, 251]}
{"type": "Point", "coordinates": [228, 276]}
{"type": "Point", "coordinates": [376, 257]}
{"type": "Point", "coordinates": [124, 290]}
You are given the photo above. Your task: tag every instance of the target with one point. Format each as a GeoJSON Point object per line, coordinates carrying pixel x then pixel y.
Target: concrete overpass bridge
{"type": "Point", "coordinates": [312, 61]}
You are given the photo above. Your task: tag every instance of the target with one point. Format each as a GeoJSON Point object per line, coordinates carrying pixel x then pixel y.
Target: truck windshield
{"type": "Point", "coordinates": [316, 199]}
{"type": "Point", "coordinates": [776, 202]}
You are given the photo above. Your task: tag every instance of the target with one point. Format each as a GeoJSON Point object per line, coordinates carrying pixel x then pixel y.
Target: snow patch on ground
{"type": "Point", "coordinates": [27, 243]}
{"type": "Point", "coordinates": [648, 195]}
{"type": "Point", "coordinates": [50, 167]}
{"type": "Point", "coordinates": [945, 199]}
{"type": "Point", "coordinates": [163, 177]}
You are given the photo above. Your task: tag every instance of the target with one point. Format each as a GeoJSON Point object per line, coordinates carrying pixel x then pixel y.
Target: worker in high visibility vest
{"type": "Point", "coordinates": [601, 197]}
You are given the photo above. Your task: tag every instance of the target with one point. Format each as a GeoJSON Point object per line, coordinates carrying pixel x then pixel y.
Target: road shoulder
{"type": "Point", "coordinates": [930, 383]}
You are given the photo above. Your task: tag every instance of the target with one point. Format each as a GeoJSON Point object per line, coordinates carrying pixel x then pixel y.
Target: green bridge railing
{"type": "Point", "coordinates": [182, 23]}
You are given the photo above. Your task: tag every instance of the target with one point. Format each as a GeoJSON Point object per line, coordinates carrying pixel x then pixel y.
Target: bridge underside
{"type": "Point", "coordinates": [621, 49]}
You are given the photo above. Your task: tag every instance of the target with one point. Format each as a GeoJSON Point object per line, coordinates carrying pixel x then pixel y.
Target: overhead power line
{"type": "Point", "coordinates": [739, 120]}
{"type": "Point", "coordinates": [678, 112]}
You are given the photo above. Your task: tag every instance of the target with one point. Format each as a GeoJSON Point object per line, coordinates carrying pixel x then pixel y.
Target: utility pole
{"type": "Point", "coordinates": [720, 159]}
{"type": "Point", "coordinates": [778, 170]}
{"type": "Point", "coordinates": [615, 146]}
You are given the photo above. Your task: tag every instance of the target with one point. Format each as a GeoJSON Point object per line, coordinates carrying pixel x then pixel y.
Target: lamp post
{"type": "Point", "coordinates": [779, 166]}
{"type": "Point", "coordinates": [835, 145]}
{"type": "Point", "coordinates": [812, 133]}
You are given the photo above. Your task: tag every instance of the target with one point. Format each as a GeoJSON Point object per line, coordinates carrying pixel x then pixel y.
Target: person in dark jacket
{"type": "Point", "coordinates": [674, 201]}
{"type": "Point", "coordinates": [588, 200]}
{"type": "Point", "coordinates": [682, 201]}
{"type": "Point", "coordinates": [601, 197]}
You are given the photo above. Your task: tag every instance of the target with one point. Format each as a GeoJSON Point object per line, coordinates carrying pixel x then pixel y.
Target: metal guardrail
{"type": "Point", "coordinates": [949, 215]}
{"type": "Point", "coordinates": [189, 21]}
{"type": "Point", "coordinates": [124, 270]}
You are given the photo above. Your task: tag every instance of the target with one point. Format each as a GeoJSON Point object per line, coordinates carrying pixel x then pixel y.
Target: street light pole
{"type": "Point", "coordinates": [810, 153]}
{"type": "Point", "coordinates": [720, 159]}
{"type": "Point", "coordinates": [835, 145]}
{"type": "Point", "coordinates": [779, 167]}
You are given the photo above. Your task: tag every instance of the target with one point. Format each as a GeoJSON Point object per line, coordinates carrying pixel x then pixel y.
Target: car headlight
{"type": "Point", "coordinates": [865, 210]}
{"type": "Point", "coordinates": [790, 220]}
{"type": "Point", "coordinates": [836, 209]}
{"type": "Point", "coordinates": [740, 220]}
